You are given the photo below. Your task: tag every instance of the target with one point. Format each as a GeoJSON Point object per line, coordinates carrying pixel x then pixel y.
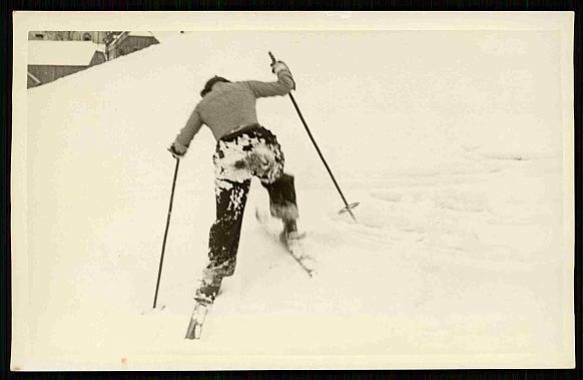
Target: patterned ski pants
{"type": "Point", "coordinates": [238, 158]}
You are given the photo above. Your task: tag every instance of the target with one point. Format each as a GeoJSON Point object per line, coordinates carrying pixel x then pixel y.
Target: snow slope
{"type": "Point", "coordinates": [450, 141]}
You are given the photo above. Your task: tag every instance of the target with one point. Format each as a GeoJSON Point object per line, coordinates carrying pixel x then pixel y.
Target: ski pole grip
{"type": "Point", "coordinates": [272, 57]}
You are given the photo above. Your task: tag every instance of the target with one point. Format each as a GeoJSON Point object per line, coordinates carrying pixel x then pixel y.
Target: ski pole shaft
{"type": "Point", "coordinates": [297, 108]}
{"type": "Point", "coordinates": [348, 208]}
{"type": "Point", "coordinates": [166, 233]}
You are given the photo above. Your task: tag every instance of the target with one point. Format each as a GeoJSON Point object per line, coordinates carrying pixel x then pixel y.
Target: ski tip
{"type": "Point", "coordinates": [194, 330]}
{"type": "Point", "coordinates": [197, 331]}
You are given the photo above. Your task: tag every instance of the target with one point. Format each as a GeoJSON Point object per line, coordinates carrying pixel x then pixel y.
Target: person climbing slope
{"type": "Point", "coordinates": [244, 149]}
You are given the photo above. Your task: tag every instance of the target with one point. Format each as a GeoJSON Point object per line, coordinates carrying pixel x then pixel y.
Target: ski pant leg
{"type": "Point", "coordinates": [225, 233]}
{"type": "Point", "coordinates": [238, 158]}
{"type": "Point", "coordinates": [282, 197]}
{"type": "Point", "coordinates": [279, 185]}
{"type": "Point", "coordinates": [224, 236]}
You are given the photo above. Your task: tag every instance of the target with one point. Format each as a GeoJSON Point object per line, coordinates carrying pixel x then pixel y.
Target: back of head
{"type": "Point", "coordinates": [210, 83]}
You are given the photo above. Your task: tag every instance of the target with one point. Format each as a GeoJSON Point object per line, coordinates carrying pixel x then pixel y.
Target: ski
{"type": "Point", "coordinates": [292, 246]}
{"type": "Point", "coordinates": [296, 252]}
{"type": "Point", "coordinates": [197, 319]}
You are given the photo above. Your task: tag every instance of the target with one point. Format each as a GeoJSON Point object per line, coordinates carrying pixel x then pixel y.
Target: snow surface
{"type": "Point", "coordinates": [61, 53]}
{"type": "Point", "coordinates": [450, 141]}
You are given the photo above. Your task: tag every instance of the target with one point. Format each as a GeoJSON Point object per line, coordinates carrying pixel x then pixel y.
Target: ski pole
{"type": "Point", "coordinates": [348, 207]}
{"type": "Point", "coordinates": [166, 233]}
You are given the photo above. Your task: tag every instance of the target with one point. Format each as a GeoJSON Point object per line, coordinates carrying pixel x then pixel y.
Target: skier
{"type": "Point", "coordinates": [244, 149]}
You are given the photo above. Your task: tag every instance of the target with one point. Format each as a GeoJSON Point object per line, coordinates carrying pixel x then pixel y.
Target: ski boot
{"type": "Point", "coordinates": [205, 296]}
{"type": "Point", "coordinates": [290, 232]}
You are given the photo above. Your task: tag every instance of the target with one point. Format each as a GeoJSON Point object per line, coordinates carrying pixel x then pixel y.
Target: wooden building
{"type": "Point", "coordinates": [129, 42]}
{"type": "Point", "coordinates": [50, 60]}
{"type": "Point", "coordinates": [97, 37]}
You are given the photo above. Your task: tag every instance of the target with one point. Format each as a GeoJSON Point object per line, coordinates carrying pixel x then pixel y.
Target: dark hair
{"type": "Point", "coordinates": [210, 83]}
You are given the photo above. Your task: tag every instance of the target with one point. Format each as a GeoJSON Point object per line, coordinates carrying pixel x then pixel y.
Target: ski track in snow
{"type": "Point", "coordinates": [454, 257]}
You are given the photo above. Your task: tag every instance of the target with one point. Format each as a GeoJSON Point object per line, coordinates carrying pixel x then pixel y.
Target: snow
{"type": "Point", "coordinates": [451, 141]}
{"type": "Point", "coordinates": [61, 53]}
{"type": "Point", "coordinates": [141, 34]}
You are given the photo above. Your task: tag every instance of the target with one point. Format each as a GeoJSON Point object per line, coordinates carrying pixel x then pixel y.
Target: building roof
{"type": "Point", "coordinates": [141, 34]}
{"type": "Point", "coordinates": [120, 37]}
{"type": "Point", "coordinates": [61, 53]}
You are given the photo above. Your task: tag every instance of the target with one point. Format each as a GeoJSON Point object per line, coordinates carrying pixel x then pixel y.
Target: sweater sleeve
{"type": "Point", "coordinates": [282, 86]}
{"type": "Point", "coordinates": [189, 130]}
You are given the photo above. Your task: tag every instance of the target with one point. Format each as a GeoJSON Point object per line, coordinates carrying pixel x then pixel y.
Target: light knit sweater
{"type": "Point", "coordinates": [230, 106]}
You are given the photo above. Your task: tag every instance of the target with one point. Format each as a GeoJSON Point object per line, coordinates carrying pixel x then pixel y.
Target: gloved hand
{"type": "Point", "coordinates": [177, 151]}
{"type": "Point", "coordinates": [278, 66]}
